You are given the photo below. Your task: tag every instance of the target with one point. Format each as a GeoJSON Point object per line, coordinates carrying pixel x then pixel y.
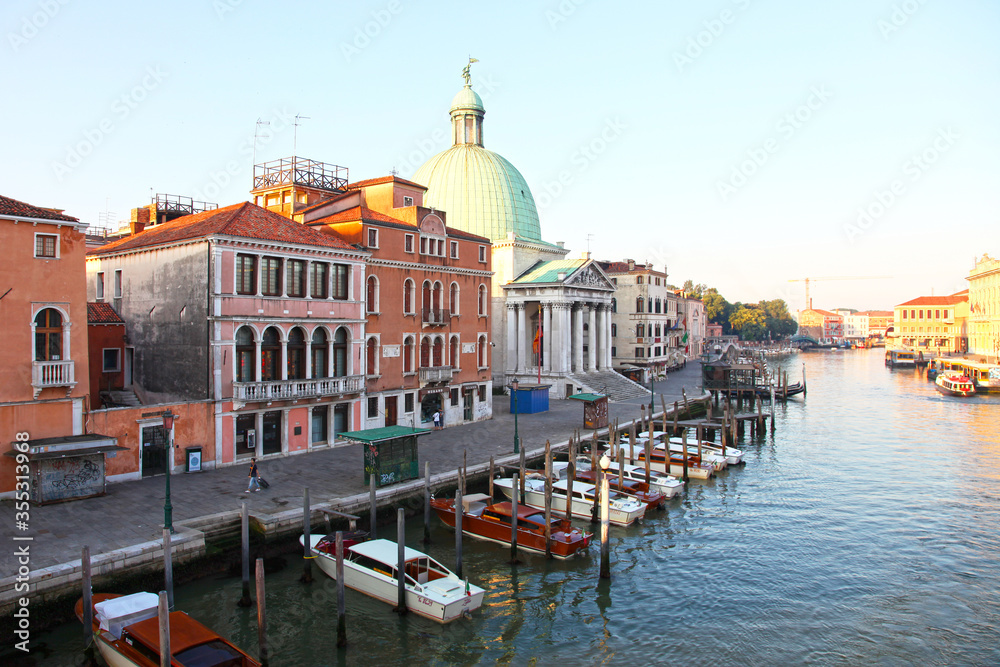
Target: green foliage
{"type": "Point", "coordinates": [755, 321]}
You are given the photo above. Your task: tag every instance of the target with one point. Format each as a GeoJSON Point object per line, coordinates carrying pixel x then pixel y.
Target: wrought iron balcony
{"type": "Point", "coordinates": [436, 374]}
{"type": "Point", "coordinates": [45, 374]}
{"type": "Point", "coordinates": [436, 316]}
{"type": "Point", "coordinates": [290, 390]}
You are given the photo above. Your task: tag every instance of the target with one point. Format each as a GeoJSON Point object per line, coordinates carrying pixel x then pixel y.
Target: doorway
{"type": "Point", "coordinates": [467, 402]}
{"type": "Point", "coordinates": [391, 410]}
{"type": "Point", "coordinates": [154, 450]}
{"type": "Point", "coordinates": [271, 433]}
{"type": "Point", "coordinates": [127, 368]}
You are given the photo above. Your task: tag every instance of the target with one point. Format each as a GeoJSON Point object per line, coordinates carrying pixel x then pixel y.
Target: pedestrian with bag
{"type": "Point", "coordinates": [254, 483]}
{"type": "Point", "coordinates": [437, 420]}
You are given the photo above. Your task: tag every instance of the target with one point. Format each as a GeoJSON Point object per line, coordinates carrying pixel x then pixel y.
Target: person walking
{"type": "Point", "coordinates": [437, 420]}
{"type": "Point", "coordinates": [254, 483]}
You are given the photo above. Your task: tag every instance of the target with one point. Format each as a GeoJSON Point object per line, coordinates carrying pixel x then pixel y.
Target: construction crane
{"type": "Point", "coordinates": [809, 280]}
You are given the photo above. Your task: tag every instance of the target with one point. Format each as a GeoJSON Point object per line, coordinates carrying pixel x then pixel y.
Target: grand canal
{"type": "Point", "coordinates": [865, 530]}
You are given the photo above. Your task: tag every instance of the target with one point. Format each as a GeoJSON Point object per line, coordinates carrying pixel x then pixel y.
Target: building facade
{"type": "Point", "coordinates": [984, 308]}
{"type": "Point", "coordinates": [934, 324]}
{"type": "Point", "coordinates": [44, 365]}
{"type": "Point", "coordinates": [243, 308]}
{"type": "Point", "coordinates": [822, 325]}
{"type": "Point", "coordinates": [427, 304]}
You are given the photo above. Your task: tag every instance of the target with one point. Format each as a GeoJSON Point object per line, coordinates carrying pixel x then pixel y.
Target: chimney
{"type": "Point", "coordinates": [631, 264]}
{"type": "Point", "coordinates": [140, 218]}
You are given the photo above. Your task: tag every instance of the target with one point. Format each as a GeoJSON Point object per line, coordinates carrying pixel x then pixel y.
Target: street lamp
{"type": "Point", "coordinates": [517, 439]}
{"type": "Point", "coordinates": [652, 393]}
{"type": "Point", "coordinates": [168, 509]}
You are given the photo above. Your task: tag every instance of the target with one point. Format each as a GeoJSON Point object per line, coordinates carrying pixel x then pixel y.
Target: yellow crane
{"type": "Point", "coordinates": [809, 280]}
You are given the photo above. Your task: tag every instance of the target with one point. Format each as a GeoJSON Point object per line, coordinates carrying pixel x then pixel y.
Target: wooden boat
{"type": "Point", "coordinates": [432, 590]}
{"type": "Point", "coordinates": [732, 456]}
{"type": "Point", "coordinates": [951, 384]}
{"type": "Point", "coordinates": [623, 511]}
{"type": "Point", "coordinates": [696, 469]}
{"type": "Point", "coordinates": [488, 521]}
{"type": "Point", "coordinates": [127, 633]}
{"type": "Point", "coordinates": [668, 485]}
{"type": "Point", "coordinates": [629, 487]}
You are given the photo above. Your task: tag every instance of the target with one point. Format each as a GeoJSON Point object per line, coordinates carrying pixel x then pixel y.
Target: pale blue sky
{"type": "Point", "coordinates": [696, 157]}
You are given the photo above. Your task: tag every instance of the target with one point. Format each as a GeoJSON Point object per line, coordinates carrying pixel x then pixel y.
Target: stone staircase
{"type": "Point", "coordinates": [120, 399]}
{"type": "Point", "coordinates": [616, 386]}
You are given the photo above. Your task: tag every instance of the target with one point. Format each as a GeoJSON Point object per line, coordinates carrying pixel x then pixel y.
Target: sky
{"type": "Point", "coordinates": [742, 144]}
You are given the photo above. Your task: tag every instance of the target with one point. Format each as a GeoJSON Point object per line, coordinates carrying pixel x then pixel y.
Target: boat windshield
{"type": "Point", "coordinates": [215, 653]}
{"type": "Point", "coordinates": [425, 569]}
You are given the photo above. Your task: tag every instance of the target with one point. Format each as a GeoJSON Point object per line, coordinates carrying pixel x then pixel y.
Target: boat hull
{"type": "Point", "coordinates": [581, 508]}
{"type": "Point", "coordinates": [952, 386]}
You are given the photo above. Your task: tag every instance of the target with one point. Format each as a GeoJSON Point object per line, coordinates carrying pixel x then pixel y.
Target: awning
{"type": "Point", "coordinates": [587, 397]}
{"type": "Point", "coordinates": [70, 445]}
{"type": "Point", "coordinates": [371, 435]}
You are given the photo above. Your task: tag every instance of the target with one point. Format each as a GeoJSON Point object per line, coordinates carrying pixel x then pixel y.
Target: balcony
{"type": "Point", "coordinates": [293, 390]}
{"type": "Point", "coordinates": [46, 374]}
{"type": "Point", "coordinates": [436, 374]}
{"type": "Point", "coordinates": [436, 317]}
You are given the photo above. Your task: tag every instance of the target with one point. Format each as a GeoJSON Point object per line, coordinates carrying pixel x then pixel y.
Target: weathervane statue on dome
{"type": "Point", "coordinates": [465, 71]}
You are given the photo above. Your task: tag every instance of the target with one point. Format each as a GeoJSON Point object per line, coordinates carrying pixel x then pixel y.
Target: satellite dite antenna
{"type": "Point", "coordinates": [256, 132]}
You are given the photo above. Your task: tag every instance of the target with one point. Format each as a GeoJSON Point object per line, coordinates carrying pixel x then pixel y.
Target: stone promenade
{"type": "Point", "coordinates": [131, 513]}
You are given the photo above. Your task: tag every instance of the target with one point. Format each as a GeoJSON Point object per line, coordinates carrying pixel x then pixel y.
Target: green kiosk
{"type": "Point", "coordinates": [390, 453]}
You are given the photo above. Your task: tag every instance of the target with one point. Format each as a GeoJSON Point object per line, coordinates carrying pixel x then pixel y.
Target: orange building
{"type": "Point", "coordinates": [44, 365]}
{"type": "Point", "coordinates": [934, 323]}
{"type": "Point", "coordinates": [822, 325]}
{"type": "Point", "coordinates": [427, 304]}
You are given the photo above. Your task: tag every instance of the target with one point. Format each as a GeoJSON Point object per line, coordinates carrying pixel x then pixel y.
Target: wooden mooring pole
{"type": "Point", "coordinates": [401, 554]}
{"type": "Point", "coordinates": [88, 600]}
{"type": "Point", "coordinates": [548, 500]}
{"type": "Point", "coordinates": [163, 612]}
{"type": "Point", "coordinates": [513, 520]}
{"type": "Point", "coordinates": [307, 575]}
{"type": "Point", "coordinates": [341, 604]}
{"type": "Point", "coordinates": [372, 507]}
{"type": "Point", "coordinates": [459, 512]}
{"type": "Point", "coordinates": [491, 477]}
{"type": "Point", "coordinates": [245, 600]}
{"type": "Point", "coordinates": [168, 568]}
{"type": "Point", "coordinates": [427, 502]}
{"type": "Point", "coordinates": [605, 519]}
{"type": "Point", "coordinates": [261, 614]}
{"type": "Point", "coordinates": [570, 477]}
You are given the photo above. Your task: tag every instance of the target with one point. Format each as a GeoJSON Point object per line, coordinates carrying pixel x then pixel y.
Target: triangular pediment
{"type": "Point", "coordinates": [590, 275]}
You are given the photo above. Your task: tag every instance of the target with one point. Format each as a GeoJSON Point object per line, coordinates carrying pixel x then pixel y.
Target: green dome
{"type": "Point", "coordinates": [480, 192]}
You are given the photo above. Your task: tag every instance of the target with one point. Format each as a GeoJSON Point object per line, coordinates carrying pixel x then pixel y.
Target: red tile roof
{"type": "Point", "coordinates": [102, 313]}
{"type": "Point", "coordinates": [20, 209]}
{"type": "Point", "coordinates": [384, 179]}
{"type": "Point", "coordinates": [364, 214]}
{"type": "Point", "coordinates": [949, 300]}
{"type": "Point", "coordinates": [244, 220]}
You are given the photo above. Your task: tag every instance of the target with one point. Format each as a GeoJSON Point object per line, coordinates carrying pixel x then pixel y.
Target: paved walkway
{"type": "Point", "coordinates": [132, 512]}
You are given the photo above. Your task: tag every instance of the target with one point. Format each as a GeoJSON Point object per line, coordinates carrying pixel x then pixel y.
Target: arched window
{"type": "Point", "coordinates": [614, 305]}
{"type": "Point", "coordinates": [614, 329]}
{"type": "Point", "coordinates": [296, 354]}
{"type": "Point", "coordinates": [481, 351]}
{"type": "Point", "coordinates": [436, 297]}
{"type": "Point", "coordinates": [649, 305]}
{"type": "Point", "coordinates": [640, 330]}
{"type": "Point", "coordinates": [453, 299]}
{"type": "Point", "coordinates": [657, 305]}
{"type": "Point", "coordinates": [408, 354]}
{"type": "Point", "coordinates": [425, 300]}
{"type": "Point", "coordinates": [408, 289]}
{"type": "Point", "coordinates": [371, 295]}
{"type": "Point", "coordinates": [639, 305]}
{"type": "Point", "coordinates": [371, 356]}
{"type": "Point", "coordinates": [48, 335]}
{"type": "Point", "coordinates": [246, 355]}
{"type": "Point", "coordinates": [453, 357]}
{"type": "Point", "coordinates": [425, 353]}
{"type": "Point", "coordinates": [438, 352]}
{"type": "Point", "coordinates": [270, 355]}
{"type": "Point", "coordinates": [482, 301]}
{"type": "Point", "coordinates": [340, 353]}
{"type": "Point", "coordinates": [320, 354]}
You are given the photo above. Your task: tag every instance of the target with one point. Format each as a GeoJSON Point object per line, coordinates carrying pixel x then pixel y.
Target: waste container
{"type": "Point", "coordinates": [193, 459]}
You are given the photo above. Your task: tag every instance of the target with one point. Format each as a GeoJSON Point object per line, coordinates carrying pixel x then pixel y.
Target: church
{"type": "Point", "coordinates": [551, 316]}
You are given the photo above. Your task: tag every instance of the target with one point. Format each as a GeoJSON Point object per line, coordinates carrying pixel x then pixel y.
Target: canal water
{"type": "Point", "coordinates": [865, 530]}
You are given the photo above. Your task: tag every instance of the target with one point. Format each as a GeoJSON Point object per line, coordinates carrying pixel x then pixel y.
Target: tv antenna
{"type": "Point", "coordinates": [256, 132]}
{"type": "Point", "coordinates": [295, 132]}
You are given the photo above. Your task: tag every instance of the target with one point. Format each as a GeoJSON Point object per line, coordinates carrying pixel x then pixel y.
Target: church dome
{"type": "Point", "coordinates": [479, 190]}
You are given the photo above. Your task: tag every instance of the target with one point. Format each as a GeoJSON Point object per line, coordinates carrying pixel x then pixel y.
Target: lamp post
{"type": "Point", "coordinates": [652, 394]}
{"type": "Point", "coordinates": [168, 509]}
{"type": "Point", "coordinates": [517, 439]}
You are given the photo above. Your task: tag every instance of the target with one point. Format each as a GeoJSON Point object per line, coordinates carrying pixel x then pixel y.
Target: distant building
{"type": "Point", "coordinates": [693, 326]}
{"type": "Point", "coordinates": [822, 325]}
{"type": "Point", "coordinates": [934, 323]}
{"type": "Point", "coordinates": [984, 308]}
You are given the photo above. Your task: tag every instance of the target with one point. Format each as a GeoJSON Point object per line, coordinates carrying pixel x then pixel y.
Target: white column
{"type": "Point", "coordinates": [521, 356]}
{"type": "Point", "coordinates": [258, 433]}
{"type": "Point", "coordinates": [578, 337]}
{"type": "Point", "coordinates": [609, 361]}
{"type": "Point", "coordinates": [256, 370]}
{"type": "Point", "coordinates": [511, 361]}
{"type": "Point", "coordinates": [547, 337]}
{"type": "Point", "coordinates": [592, 338]}
{"type": "Point", "coordinates": [602, 338]}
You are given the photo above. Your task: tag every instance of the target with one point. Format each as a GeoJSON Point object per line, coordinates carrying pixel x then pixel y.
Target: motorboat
{"type": "Point", "coordinates": [623, 511]}
{"type": "Point", "coordinates": [432, 590]}
{"type": "Point", "coordinates": [732, 455]}
{"type": "Point", "coordinates": [696, 468]}
{"type": "Point", "coordinates": [951, 384]}
{"type": "Point", "coordinates": [127, 634]}
{"type": "Point", "coordinates": [668, 485]}
{"type": "Point", "coordinates": [486, 520]}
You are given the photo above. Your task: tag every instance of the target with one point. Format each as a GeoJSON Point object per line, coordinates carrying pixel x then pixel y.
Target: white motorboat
{"type": "Point", "coordinates": [696, 469]}
{"type": "Point", "coordinates": [668, 485]}
{"type": "Point", "coordinates": [623, 510]}
{"type": "Point", "coordinates": [733, 456]}
{"type": "Point", "coordinates": [432, 590]}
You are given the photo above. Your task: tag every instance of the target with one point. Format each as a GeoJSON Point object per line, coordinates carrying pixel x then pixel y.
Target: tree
{"type": "Point", "coordinates": [692, 290]}
{"type": "Point", "coordinates": [717, 309]}
{"type": "Point", "coordinates": [749, 322]}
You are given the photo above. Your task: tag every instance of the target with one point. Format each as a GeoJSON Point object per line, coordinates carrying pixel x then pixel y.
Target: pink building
{"type": "Point", "coordinates": [239, 306]}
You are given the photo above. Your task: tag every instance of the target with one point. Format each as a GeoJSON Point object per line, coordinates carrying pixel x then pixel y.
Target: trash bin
{"type": "Point", "coordinates": [193, 459]}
